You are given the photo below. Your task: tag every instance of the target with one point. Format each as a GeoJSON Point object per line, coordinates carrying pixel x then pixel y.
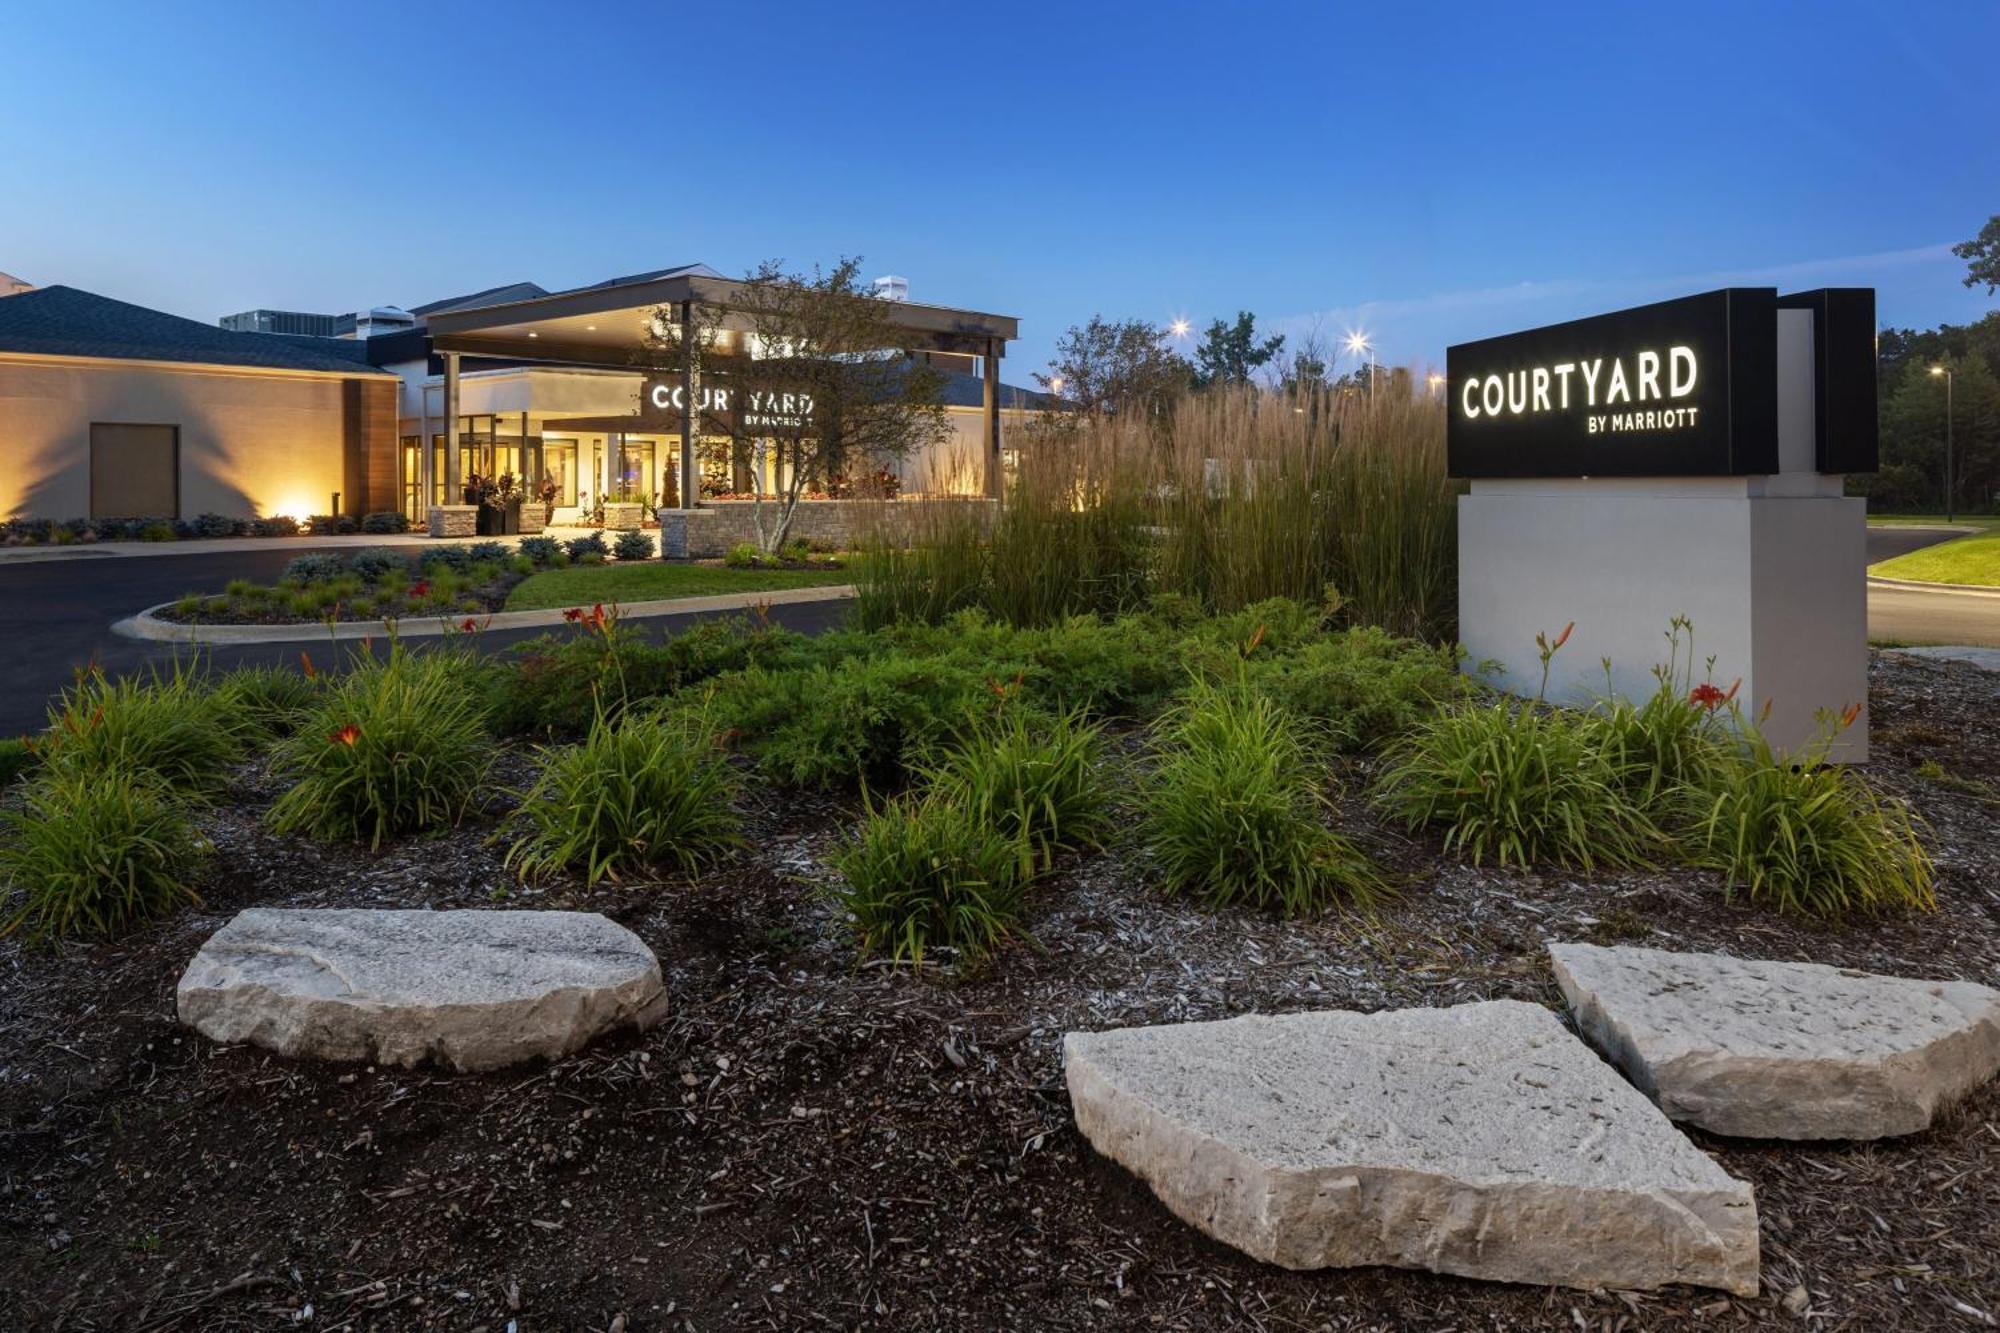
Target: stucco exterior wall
{"type": "Point", "coordinates": [251, 443]}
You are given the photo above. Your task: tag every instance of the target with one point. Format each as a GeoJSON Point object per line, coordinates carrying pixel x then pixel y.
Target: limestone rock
{"type": "Point", "coordinates": [1483, 1140]}
{"type": "Point", "coordinates": [1782, 1050]}
{"type": "Point", "coordinates": [470, 990]}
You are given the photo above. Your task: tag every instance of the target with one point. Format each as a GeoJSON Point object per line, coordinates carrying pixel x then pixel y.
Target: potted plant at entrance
{"type": "Point", "coordinates": [507, 498]}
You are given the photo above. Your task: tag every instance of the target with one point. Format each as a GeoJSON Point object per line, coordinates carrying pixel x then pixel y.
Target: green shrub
{"type": "Point", "coordinates": [633, 545]}
{"type": "Point", "coordinates": [591, 544]}
{"type": "Point", "coordinates": [1234, 812]}
{"type": "Point", "coordinates": [743, 555]}
{"type": "Point", "coordinates": [929, 873]}
{"type": "Point", "coordinates": [91, 853]}
{"type": "Point", "coordinates": [396, 745]}
{"type": "Point", "coordinates": [314, 567]}
{"type": "Point", "coordinates": [373, 564]}
{"type": "Point", "coordinates": [1805, 836]}
{"type": "Point", "coordinates": [270, 699]}
{"type": "Point", "coordinates": [862, 721]}
{"type": "Point", "coordinates": [384, 521]}
{"type": "Point", "coordinates": [634, 794]}
{"type": "Point", "coordinates": [1518, 783]}
{"type": "Point", "coordinates": [1364, 685]}
{"type": "Point", "coordinates": [488, 553]}
{"type": "Point", "coordinates": [1660, 746]}
{"type": "Point", "coordinates": [1033, 779]}
{"type": "Point", "coordinates": [17, 756]}
{"type": "Point", "coordinates": [541, 552]}
{"type": "Point", "coordinates": [170, 728]}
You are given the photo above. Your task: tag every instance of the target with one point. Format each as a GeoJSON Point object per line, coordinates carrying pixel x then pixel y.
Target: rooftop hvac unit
{"type": "Point", "coordinates": [892, 288]}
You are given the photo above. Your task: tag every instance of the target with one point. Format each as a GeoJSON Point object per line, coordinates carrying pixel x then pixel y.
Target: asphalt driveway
{"type": "Point", "coordinates": [56, 616]}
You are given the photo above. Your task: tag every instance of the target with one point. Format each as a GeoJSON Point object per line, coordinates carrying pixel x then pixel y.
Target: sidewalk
{"type": "Point", "coordinates": [218, 545]}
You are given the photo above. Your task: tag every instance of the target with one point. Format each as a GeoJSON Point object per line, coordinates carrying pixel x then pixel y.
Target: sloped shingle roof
{"type": "Point", "coordinates": [64, 321]}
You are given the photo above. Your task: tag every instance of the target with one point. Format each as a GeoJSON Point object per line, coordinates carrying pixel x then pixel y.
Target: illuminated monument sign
{"type": "Point", "coordinates": [1685, 388]}
{"type": "Point", "coordinates": [1678, 459]}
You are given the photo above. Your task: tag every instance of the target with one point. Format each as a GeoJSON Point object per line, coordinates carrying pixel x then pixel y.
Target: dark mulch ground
{"type": "Point", "coordinates": [806, 1144]}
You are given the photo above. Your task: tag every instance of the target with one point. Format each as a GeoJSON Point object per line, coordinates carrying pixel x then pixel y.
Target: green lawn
{"type": "Point", "coordinates": [1986, 521]}
{"type": "Point", "coordinates": [1966, 560]}
{"type": "Point", "coordinates": [653, 581]}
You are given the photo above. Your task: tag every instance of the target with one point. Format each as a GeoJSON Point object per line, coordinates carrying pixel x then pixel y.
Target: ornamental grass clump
{"type": "Point", "coordinates": [1235, 812]}
{"type": "Point", "coordinates": [926, 873]}
{"type": "Point", "coordinates": [92, 853]}
{"type": "Point", "coordinates": [172, 729]}
{"type": "Point", "coordinates": [1518, 783]}
{"type": "Point", "coordinates": [270, 699]}
{"type": "Point", "coordinates": [636, 795]}
{"type": "Point", "coordinates": [1802, 835]}
{"type": "Point", "coordinates": [397, 745]}
{"type": "Point", "coordinates": [1031, 778]}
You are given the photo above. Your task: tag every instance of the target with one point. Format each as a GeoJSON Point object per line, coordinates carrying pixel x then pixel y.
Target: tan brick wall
{"type": "Point", "coordinates": [251, 443]}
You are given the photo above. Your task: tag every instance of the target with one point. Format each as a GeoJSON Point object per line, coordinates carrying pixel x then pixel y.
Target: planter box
{"type": "Point", "coordinates": [454, 521]}
{"type": "Point", "coordinates": [623, 516]}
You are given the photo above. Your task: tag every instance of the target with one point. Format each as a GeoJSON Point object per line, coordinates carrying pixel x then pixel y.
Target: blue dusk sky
{"type": "Point", "coordinates": [1428, 172]}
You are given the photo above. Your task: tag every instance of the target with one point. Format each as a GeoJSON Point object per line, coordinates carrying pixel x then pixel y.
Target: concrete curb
{"type": "Point", "coordinates": [1949, 589]}
{"type": "Point", "coordinates": [148, 626]}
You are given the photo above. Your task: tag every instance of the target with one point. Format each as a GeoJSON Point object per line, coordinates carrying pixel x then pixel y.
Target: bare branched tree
{"type": "Point", "coordinates": [811, 380]}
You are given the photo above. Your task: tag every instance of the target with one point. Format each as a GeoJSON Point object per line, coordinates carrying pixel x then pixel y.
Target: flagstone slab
{"type": "Point", "coordinates": [467, 989]}
{"type": "Point", "coordinates": [1482, 1140]}
{"type": "Point", "coordinates": [1782, 1050]}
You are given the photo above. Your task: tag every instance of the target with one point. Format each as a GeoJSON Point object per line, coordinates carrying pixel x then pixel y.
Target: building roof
{"type": "Point", "coordinates": [964, 390]}
{"type": "Point", "coordinates": [64, 321]}
{"type": "Point", "coordinates": [513, 291]}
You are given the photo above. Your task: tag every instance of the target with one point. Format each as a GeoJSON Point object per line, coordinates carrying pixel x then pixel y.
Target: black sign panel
{"type": "Point", "coordinates": [1844, 403]}
{"type": "Point", "coordinates": [1685, 388]}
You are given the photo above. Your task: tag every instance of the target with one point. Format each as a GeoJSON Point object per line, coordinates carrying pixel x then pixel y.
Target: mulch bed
{"type": "Point", "coordinates": [808, 1143]}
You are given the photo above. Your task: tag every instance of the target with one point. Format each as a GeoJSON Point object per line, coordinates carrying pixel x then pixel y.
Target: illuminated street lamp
{"type": "Point", "coordinates": [1178, 329]}
{"type": "Point", "coordinates": [1437, 382]}
{"type": "Point", "coordinates": [1949, 512]}
{"type": "Point", "coordinates": [1359, 346]}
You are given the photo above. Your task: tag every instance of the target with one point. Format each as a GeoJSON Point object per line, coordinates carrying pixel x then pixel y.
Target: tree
{"type": "Point", "coordinates": [1913, 436]}
{"type": "Point", "coordinates": [1982, 256]}
{"type": "Point", "coordinates": [816, 384]}
{"type": "Point", "coordinates": [1126, 366]}
{"type": "Point", "coordinates": [1231, 353]}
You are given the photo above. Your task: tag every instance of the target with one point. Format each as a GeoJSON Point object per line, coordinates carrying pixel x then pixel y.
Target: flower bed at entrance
{"type": "Point", "coordinates": [818, 1110]}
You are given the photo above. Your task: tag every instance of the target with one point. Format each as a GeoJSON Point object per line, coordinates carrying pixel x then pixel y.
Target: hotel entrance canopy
{"type": "Point", "coordinates": [611, 325]}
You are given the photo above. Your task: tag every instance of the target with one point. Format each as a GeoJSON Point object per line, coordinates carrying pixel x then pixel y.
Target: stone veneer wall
{"type": "Point", "coordinates": [454, 520]}
{"type": "Point", "coordinates": [834, 524]}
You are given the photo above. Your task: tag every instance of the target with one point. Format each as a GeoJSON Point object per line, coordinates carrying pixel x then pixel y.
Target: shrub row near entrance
{"type": "Point", "coordinates": [72, 531]}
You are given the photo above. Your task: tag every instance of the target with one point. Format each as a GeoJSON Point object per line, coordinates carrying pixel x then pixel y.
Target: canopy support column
{"type": "Point", "coordinates": [453, 480]}
{"type": "Point", "coordinates": [990, 400]}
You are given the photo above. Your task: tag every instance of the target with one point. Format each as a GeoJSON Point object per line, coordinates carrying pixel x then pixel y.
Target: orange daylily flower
{"type": "Point", "coordinates": [347, 735]}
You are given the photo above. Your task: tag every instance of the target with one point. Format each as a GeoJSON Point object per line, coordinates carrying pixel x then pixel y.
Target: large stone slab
{"type": "Point", "coordinates": [1483, 1140]}
{"type": "Point", "coordinates": [1782, 1050]}
{"type": "Point", "coordinates": [470, 990]}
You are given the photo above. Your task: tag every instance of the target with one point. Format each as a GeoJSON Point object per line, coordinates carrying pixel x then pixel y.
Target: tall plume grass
{"type": "Point", "coordinates": [1235, 496]}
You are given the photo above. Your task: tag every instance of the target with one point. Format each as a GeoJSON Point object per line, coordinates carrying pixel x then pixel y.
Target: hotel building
{"type": "Point", "coordinates": [110, 410]}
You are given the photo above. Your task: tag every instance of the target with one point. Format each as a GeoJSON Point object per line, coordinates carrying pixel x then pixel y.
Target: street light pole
{"type": "Point", "coordinates": [1950, 510]}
